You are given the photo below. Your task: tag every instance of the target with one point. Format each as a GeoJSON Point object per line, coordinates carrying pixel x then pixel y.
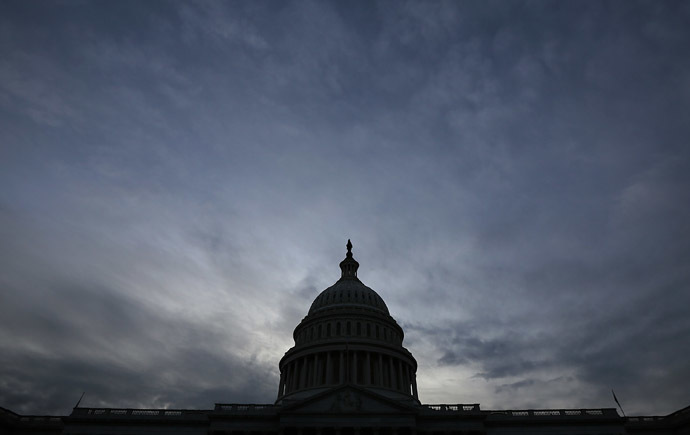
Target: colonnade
{"type": "Point", "coordinates": [359, 367]}
{"type": "Point", "coordinates": [328, 328]}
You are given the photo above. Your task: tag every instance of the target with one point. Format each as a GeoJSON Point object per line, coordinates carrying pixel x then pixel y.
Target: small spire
{"type": "Point", "coordinates": [349, 265]}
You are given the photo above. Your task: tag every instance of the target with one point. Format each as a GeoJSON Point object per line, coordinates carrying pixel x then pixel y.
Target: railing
{"type": "Point", "coordinates": [30, 418]}
{"type": "Point", "coordinates": [453, 408]}
{"type": "Point", "coordinates": [129, 412]}
{"type": "Point", "coordinates": [40, 418]}
{"type": "Point", "coordinates": [646, 418]}
{"type": "Point", "coordinates": [609, 412]}
{"type": "Point", "coordinates": [244, 408]}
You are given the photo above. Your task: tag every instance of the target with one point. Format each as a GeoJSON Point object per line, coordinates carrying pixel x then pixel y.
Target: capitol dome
{"type": "Point", "coordinates": [349, 291]}
{"type": "Point", "coordinates": [348, 337]}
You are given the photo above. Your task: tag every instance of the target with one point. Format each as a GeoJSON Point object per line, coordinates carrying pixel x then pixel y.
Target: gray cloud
{"type": "Point", "coordinates": [179, 179]}
{"type": "Point", "coordinates": [121, 354]}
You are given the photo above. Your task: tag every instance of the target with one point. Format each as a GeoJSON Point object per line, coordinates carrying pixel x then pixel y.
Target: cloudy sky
{"type": "Point", "coordinates": [178, 181]}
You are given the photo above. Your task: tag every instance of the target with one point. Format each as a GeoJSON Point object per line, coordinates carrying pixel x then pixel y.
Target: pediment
{"type": "Point", "coordinates": [348, 399]}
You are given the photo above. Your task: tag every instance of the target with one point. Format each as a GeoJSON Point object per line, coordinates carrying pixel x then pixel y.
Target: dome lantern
{"type": "Point", "coordinates": [349, 265]}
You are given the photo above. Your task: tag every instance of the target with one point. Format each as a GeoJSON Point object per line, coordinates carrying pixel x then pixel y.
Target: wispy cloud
{"type": "Point", "coordinates": [178, 182]}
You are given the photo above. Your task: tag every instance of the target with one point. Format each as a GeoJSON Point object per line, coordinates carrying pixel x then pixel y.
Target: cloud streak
{"type": "Point", "coordinates": [179, 179]}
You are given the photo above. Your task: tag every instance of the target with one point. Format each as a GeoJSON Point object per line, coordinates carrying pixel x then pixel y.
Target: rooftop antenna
{"type": "Point", "coordinates": [619, 404]}
{"type": "Point", "coordinates": [79, 401]}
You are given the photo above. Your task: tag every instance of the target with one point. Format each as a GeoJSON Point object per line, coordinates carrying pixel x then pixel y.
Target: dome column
{"type": "Point", "coordinates": [281, 385]}
{"type": "Point", "coordinates": [315, 367]}
{"type": "Point", "coordinates": [354, 367]}
{"type": "Point", "coordinates": [367, 370]}
{"type": "Point", "coordinates": [287, 380]}
{"type": "Point", "coordinates": [302, 364]}
{"type": "Point", "coordinates": [329, 372]}
{"type": "Point", "coordinates": [296, 374]}
{"type": "Point", "coordinates": [380, 367]}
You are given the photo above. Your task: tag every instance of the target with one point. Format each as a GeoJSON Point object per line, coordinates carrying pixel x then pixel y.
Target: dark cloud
{"type": "Point", "coordinates": [121, 353]}
{"type": "Point", "coordinates": [179, 179]}
{"type": "Point", "coordinates": [607, 343]}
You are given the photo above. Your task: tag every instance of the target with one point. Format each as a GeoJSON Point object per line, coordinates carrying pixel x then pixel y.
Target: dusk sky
{"type": "Point", "coordinates": [178, 181]}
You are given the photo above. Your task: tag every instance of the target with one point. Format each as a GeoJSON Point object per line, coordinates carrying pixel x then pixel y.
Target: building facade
{"type": "Point", "coordinates": [347, 374]}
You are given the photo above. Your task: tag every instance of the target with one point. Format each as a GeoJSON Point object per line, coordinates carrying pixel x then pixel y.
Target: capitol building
{"type": "Point", "coordinates": [347, 374]}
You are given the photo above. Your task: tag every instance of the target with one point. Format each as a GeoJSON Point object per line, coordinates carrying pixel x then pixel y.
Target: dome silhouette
{"type": "Point", "coordinates": [348, 293]}
{"type": "Point", "coordinates": [348, 337]}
